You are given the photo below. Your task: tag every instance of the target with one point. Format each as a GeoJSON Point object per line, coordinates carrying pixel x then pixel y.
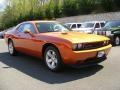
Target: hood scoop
{"type": "Point", "coordinates": [64, 32]}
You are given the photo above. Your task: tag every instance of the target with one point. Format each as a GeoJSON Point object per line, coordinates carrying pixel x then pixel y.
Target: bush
{"type": "Point", "coordinates": [86, 6]}
{"type": "Point", "coordinates": [57, 9]}
{"type": "Point", "coordinates": [39, 14]}
{"type": "Point", "coordinates": [117, 3]}
{"type": "Point", "coordinates": [107, 5]}
{"type": "Point", "coordinates": [49, 10]}
{"type": "Point", "coordinates": [70, 7]}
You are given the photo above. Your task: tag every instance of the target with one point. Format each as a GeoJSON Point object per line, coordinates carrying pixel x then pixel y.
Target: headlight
{"type": "Point", "coordinates": [109, 33]}
{"type": "Point", "coordinates": [74, 46]}
{"type": "Point", "coordinates": [77, 47]}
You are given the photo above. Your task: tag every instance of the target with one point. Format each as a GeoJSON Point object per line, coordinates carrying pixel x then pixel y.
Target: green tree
{"type": "Point", "coordinates": [117, 3]}
{"type": "Point", "coordinates": [107, 5]}
{"type": "Point", "coordinates": [70, 7]}
{"type": "Point", "coordinates": [86, 6]}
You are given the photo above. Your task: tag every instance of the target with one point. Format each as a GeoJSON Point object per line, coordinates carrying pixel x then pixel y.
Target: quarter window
{"type": "Point", "coordinates": [73, 26]}
{"type": "Point", "coordinates": [20, 28]}
{"type": "Point", "coordinates": [97, 25]}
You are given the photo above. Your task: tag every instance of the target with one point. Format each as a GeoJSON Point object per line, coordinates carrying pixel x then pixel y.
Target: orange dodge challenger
{"type": "Point", "coordinates": [56, 44]}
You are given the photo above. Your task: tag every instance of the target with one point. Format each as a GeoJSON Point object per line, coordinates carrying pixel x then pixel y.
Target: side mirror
{"type": "Point", "coordinates": [27, 31]}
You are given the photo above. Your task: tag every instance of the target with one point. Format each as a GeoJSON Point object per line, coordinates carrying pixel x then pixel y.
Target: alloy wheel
{"type": "Point", "coordinates": [51, 59]}
{"type": "Point", "coordinates": [117, 41]}
{"type": "Point", "coordinates": [10, 47]}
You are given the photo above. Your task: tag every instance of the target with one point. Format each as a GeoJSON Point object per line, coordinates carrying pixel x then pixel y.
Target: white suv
{"type": "Point", "coordinates": [91, 26]}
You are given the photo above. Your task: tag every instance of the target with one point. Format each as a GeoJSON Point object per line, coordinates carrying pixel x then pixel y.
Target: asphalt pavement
{"type": "Point", "coordinates": [24, 72]}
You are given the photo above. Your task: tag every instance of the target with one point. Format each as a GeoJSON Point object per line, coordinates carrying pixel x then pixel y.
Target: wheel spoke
{"type": "Point", "coordinates": [49, 54]}
{"type": "Point", "coordinates": [53, 53]}
{"type": "Point", "coordinates": [49, 60]}
{"type": "Point", "coordinates": [53, 64]}
{"type": "Point", "coordinates": [55, 60]}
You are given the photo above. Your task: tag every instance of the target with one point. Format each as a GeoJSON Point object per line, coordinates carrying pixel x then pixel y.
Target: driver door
{"type": "Point", "coordinates": [27, 43]}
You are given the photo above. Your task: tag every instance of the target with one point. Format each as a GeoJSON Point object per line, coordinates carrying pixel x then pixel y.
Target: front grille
{"type": "Point", "coordinates": [88, 46]}
{"type": "Point", "coordinates": [88, 62]}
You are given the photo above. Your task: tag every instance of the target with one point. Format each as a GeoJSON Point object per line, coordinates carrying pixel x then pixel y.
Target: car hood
{"type": "Point", "coordinates": [115, 28]}
{"type": "Point", "coordinates": [76, 37]}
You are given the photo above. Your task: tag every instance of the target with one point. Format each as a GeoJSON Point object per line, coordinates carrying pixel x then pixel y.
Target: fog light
{"type": "Point", "coordinates": [101, 54]}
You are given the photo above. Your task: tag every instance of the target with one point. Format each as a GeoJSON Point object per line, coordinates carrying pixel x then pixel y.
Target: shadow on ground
{"type": "Point", "coordinates": [36, 69]}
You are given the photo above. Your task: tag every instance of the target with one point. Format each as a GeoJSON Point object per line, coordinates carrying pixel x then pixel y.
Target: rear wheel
{"type": "Point", "coordinates": [52, 59]}
{"type": "Point", "coordinates": [11, 48]}
{"type": "Point", "coordinates": [117, 41]}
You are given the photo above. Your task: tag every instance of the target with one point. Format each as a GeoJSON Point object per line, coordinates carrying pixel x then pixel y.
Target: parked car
{"type": "Point", "coordinates": [90, 26]}
{"type": "Point", "coordinates": [2, 34]}
{"type": "Point", "coordinates": [56, 44]}
{"type": "Point", "coordinates": [73, 26]}
{"type": "Point", "coordinates": [112, 30]}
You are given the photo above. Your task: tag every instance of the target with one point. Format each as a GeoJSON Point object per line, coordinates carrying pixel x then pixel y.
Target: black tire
{"type": "Point", "coordinates": [59, 64]}
{"type": "Point", "coordinates": [11, 52]}
{"type": "Point", "coordinates": [116, 40]}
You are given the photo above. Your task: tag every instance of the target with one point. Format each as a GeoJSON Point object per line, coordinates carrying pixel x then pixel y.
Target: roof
{"type": "Point", "coordinates": [37, 21]}
{"type": "Point", "coordinates": [73, 23]}
{"type": "Point", "coordinates": [94, 21]}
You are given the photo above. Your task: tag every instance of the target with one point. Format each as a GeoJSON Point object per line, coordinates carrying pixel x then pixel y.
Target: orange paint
{"type": "Point", "coordinates": [33, 44]}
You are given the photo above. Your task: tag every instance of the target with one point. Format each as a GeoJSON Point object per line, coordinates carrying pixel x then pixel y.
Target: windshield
{"type": "Point", "coordinates": [51, 27]}
{"type": "Point", "coordinates": [87, 25]}
{"type": "Point", "coordinates": [113, 24]}
{"type": "Point", "coordinates": [68, 25]}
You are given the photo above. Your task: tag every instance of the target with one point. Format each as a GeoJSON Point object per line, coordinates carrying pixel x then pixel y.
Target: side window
{"type": "Point", "coordinates": [45, 27]}
{"type": "Point", "coordinates": [30, 27]}
{"type": "Point", "coordinates": [102, 24]}
{"type": "Point", "coordinates": [97, 25]}
{"type": "Point", "coordinates": [20, 28]}
{"type": "Point", "coordinates": [73, 26]}
{"type": "Point", "coordinates": [78, 25]}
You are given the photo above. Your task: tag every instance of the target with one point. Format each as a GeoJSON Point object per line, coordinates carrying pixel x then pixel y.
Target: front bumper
{"type": "Point", "coordinates": [88, 62]}
{"type": "Point", "coordinates": [111, 39]}
{"type": "Point", "coordinates": [73, 57]}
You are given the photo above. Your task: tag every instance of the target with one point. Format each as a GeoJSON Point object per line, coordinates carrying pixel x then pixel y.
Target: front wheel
{"type": "Point", "coordinates": [52, 59]}
{"type": "Point", "coordinates": [117, 41]}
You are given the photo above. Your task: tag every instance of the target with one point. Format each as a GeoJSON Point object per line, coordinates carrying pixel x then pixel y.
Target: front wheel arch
{"type": "Point", "coordinates": [60, 64]}
{"type": "Point", "coordinates": [54, 61]}
{"type": "Point", "coordinates": [47, 45]}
